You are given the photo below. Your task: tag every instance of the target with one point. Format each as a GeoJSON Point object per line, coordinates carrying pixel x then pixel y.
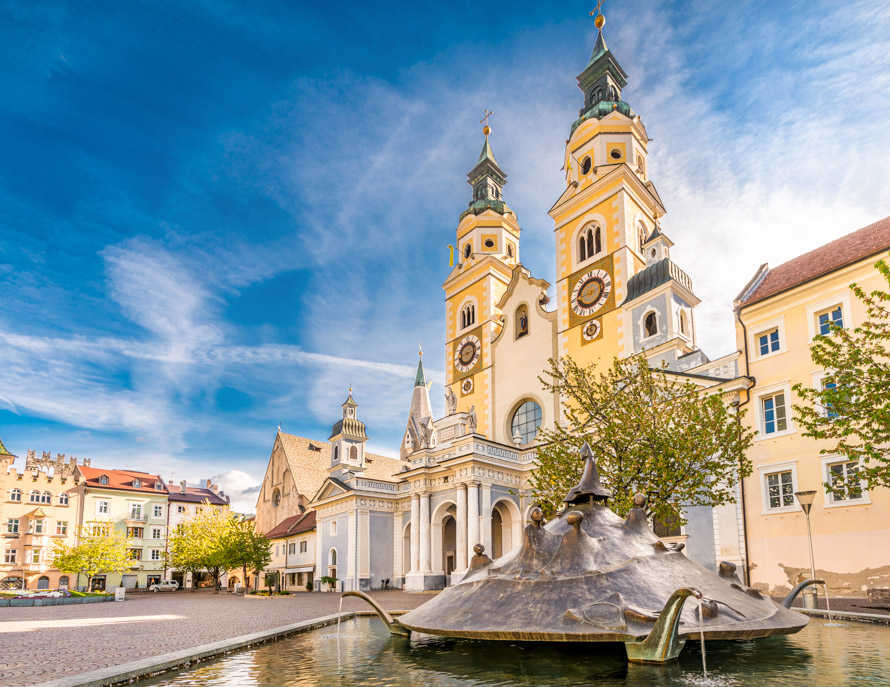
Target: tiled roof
{"type": "Point", "coordinates": [295, 524]}
{"type": "Point", "coordinates": [196, 495]}
{"type": "Point", "coordinates": [122, 479]}
{"type": "Point", "coordinates": [866, 242]}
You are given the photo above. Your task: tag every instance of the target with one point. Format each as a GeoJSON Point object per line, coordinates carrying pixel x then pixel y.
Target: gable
{"type": "Point", "coordinates": [329, 489]}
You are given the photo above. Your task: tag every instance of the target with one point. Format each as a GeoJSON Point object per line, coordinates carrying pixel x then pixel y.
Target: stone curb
{"type": "Point", "coordinates": [147, 667]}
{"type": "Point", "coordinates": [879, 618]}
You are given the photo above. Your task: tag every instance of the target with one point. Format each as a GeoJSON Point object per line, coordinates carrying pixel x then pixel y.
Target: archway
{"type": "Point", "coordinates": [406, 549]}
{"type": "Point", "coordinates": [439, 548]}
{"type": "Point", "coordinates": [449, 544]}
{"type": "Point", "coordinates": [506, 527]}
{"type": "Point", "coordinates": [43, 582]}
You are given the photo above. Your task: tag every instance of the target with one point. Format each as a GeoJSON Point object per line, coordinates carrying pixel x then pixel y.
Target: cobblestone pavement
{"type": "Point", "coordinates": [40, 643]}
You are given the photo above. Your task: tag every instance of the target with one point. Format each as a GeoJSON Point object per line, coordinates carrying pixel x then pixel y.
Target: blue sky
{"type": "Point", "coordinates": [214, 217]}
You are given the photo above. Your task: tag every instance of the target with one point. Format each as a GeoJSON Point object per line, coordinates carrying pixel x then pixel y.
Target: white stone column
{"type": "Point", "coordinates": [425, 532]}
{"type": "Point", "coordinates": [415, 533]}
{"type": "Point", "coordinates": [320, 568]}
{"type": "Point", "coordinates": [472, 517]}
{"type": "Point", "coordinates": [485, 519]}
{"type": "Point", "coordinates": [460, 542]}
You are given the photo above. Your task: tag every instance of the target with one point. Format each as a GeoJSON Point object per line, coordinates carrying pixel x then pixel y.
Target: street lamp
{"type": "Point", "coordinates": [805, 499]}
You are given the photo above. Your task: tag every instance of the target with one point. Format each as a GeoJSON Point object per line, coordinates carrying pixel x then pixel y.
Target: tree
{"type": "Point", "coordinates": [100, 551]}
{"type": "Point", "coordinates": [203, 543]}
{"type": "Point", "coordinates": [650, 433]}
{"type": "Point", "coordinates": [250, 550]}
{"type": "Point", "coordinates": [851, 407]}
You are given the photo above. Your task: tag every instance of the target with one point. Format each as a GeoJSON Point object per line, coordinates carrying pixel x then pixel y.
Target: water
{"type": "Point", "coordinates": [818, 656]}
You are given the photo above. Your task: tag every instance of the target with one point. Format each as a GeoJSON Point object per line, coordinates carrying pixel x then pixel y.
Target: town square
{"type": "Point", "coordinates": [445, 344]}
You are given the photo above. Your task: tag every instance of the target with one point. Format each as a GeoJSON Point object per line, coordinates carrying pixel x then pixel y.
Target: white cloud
{"type": "Point", "coordinates": [241, 488]}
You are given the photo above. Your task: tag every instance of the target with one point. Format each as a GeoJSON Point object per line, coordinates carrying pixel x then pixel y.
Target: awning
{"type": "Point", "coordinates": [299, 569]}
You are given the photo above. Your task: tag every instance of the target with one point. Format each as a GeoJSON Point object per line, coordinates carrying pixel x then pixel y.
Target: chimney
{"type": "Point", "coordinates": [182, 486]}
{"type": "Point", "coordinates": [209, 484]}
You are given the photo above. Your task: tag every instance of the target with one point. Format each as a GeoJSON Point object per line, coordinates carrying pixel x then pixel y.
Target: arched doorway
{"type": "Point", "coordinates": [506, 527]}
{"type": "Point", "coordinates": [406, 549]}
{"type": "Point", "coordinates": [449, 544]}
{"type": "Point", "coordinates": [43, 582]}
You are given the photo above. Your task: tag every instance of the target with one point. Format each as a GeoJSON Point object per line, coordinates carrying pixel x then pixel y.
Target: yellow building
{"type": "Point", "coordinates": [38, 507]}
{"type": "Point", "coordinates": [778, 313]}
{"type": "Point", "coordinates": [133, 504]}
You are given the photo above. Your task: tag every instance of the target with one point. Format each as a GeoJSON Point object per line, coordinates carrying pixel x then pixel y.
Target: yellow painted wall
{"type": "Point", "coordinates": [851, 542]}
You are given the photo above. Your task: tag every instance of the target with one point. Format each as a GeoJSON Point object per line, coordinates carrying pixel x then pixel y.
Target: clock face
{"type": "Point", "coordinates": [467, 353]}
{"type": "Point", "coordinates": [591, 292]}
{"type": "Point", "coordinates": [591, 330]}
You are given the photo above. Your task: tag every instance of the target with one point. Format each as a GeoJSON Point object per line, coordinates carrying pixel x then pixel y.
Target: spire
{"type": "Point", "coordinates": [349, 400]}
{"type": "Point", "coordinates": [602, 80]}
{"type": "Point", "coordinates": [3, 451]}
{"type": "Point", "coordinates": [589, 486]}
{"type": "Point", "coordinates": [487, 178]}
{"type": "Point", "coordinates": [420, 380]}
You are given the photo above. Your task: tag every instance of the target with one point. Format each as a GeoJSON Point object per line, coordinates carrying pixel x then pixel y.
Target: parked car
{"type": "Point", "coordinates": [165, 586]}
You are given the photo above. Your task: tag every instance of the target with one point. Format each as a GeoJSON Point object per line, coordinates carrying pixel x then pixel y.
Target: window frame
{"type": "Point", "coordinates": [463, 323]}
{"type": "Point", "coordinates": [591, 221]}
{"type": "Point", "coordinates": [762, 394]}
{"type": "Point", "coordinates": [758, 329]}
{"type": "Point", "coordinates": [13, 526]}
{"type": "Point", "coordinates": [830, 501]}
{"type": "Point", "coordinates": [842, 299]}
{"type": "Point", "coordinates": [102, 507]}
{"type": "Point", "coordinates": [763, 471]}
{"type": "Point", "coordinates": [516, 408]}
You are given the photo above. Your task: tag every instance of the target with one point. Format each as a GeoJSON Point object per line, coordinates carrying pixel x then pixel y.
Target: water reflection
{"type": "Point", "coordinates": [818, 656]}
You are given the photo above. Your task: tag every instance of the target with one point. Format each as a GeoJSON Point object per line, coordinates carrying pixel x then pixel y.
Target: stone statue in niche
{"type": "Point", "coordinates": [450, 401]}
{"type": "Point", "coordinates": [471, 420]}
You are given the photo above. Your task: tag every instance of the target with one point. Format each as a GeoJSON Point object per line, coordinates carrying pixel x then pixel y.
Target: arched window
{"type": "Point", "coordinates": [683, 326]}
{"type": "Point", "coordinates": [63, 581]}
{"type": "Point", "coordinates": [34, 496]}
{"type": "Point", "coordinates": [589, 243]}
{"type": "Point", "coordinates": [276, 497]}
{"type": "Point", "coordinates": [46, 497]}
{"type": "Point", "coordinates": [63, 499]}
{"type": "Point", "coordinates": [336, 454]}
{"type": "Point", "coordinates": [525, 422]}
{"type": "Point", "coordinates": [103, 479]}
{"type": "Point", "coordinates": [521, 321]}
{"type": "Point", "coordinates": [467, 315]}
{"type": "Point", "coordinates": [15, 495]}
{"type": "Point", "coordinates": [353, 453]}
{"type": "Point", "coordinates": [509, 250]}
{"type": "Point", "coordinates": [43, 582]}
{"type": "Point", "coordinates": [641, 233]}
{"type": "Point", "coordinates": [467, 250]}
{"type": "Point", "coordinates": [333, 557]}
{"type": "Point", "coordinates": [650, 324]}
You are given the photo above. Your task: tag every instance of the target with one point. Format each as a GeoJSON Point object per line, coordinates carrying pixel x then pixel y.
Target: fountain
{"type": "Point", "coordinates": [590, 576]}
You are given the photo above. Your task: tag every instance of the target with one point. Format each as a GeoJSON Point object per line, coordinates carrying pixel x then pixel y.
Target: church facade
{"type": "Point", "coordinates": [462, 479]}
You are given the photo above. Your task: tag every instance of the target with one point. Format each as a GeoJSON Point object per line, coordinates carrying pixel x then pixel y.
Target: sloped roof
{"type": "Point", "coordinates": [3, 451]}
{"type": "Point", "coordinates": [122, 479]}
{"type": "Point", "coordinates": [309, 467]}
{"type": "Point", "coordinates": [858, 245]}
{"type": "Point", "coordinates": [197, 495]}
{"type": "Point", "coordinates": [654, 276]}
{"type": "Point", "coordinates": [295, 524]}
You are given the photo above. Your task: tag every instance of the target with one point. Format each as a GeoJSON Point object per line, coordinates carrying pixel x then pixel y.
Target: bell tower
{"type": "Point", "coordinates": [487, 250]}
{"type": "Point", "coordinates": [604, 216]}
{"type": "Point", "coordinates": [348, 438]}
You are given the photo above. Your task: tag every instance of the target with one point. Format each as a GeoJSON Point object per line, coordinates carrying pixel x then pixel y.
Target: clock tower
{"type": "Point", "coordinates": [604, 217]}
{"type": "Point", "coordinates": [487, 251]}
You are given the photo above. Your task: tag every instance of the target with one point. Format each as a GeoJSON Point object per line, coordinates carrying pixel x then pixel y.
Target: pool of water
{"type": "Point", "coordinates": [821, 655]}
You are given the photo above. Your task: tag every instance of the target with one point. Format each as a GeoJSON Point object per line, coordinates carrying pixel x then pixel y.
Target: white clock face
{"type": "Point", "coordinates": [591, 330]}
{"type": "Point", "coordinates": [591, 292]}
{"type": "Point", "coordinates": [467, 352]}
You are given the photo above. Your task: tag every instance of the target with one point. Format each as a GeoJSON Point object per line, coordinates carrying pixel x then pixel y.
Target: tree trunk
{"type": "Point", "coordinates": [244, 577]}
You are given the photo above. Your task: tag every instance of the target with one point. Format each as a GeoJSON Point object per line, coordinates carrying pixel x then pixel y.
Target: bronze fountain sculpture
{"type": "Point", "coordinates": [590, 576]}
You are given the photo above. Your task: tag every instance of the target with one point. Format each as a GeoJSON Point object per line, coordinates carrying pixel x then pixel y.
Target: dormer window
{"type": "Point", "coordinates": [137, 483]}
{"type": "Point", "coordinates": [589, 243]}
{"type": "Point", "coordinates": [159, 486]}
{"type": "Point", "coordinates": [103, 479]}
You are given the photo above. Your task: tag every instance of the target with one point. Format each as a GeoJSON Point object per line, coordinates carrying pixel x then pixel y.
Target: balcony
{"type": "Point", "coordinates": [137, 518]}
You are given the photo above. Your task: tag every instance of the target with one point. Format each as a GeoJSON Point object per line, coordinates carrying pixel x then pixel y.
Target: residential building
{"type": "Point", "coordinates": [184, 503]}
{"type": "Point", "coordinates": [293, 551]}
{"type": "Point", "coordinates": [133, 504]}
{"type": "Point", "coordinates": [778, 313]}
{"type": "Point", "coordinates": [38, 507]}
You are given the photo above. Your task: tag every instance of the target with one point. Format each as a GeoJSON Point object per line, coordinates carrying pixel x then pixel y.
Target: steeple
{"type": "Point", "coordinates": [419, 379]}
{"type": "Point", "coordinates": [348, 437]}
{"type": "Point", "coordinates": [487, 178]}
{"type": "Point", "coordinates": [602, 81]}
{"type": "Point", "coordinates": [420, 432]}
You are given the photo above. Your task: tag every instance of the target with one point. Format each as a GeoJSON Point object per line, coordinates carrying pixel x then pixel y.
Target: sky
{"type": "Point", "coordinates": [216, 216]}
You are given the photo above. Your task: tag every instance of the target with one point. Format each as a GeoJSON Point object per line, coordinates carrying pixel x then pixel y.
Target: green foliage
{"type": "Point", "coordinates": [650, 433]}
{"type": "Point", "coordinates": [204, 542]}
{"type": "Point", "coordinates": [854, 415]}
{"type": "Point", "coordinates": [309, 586]}
{"type": "Point", "coordinates": [249, 550]}
{"type": "Point", "coordinates": [328, 580]}
{"type": "Point", "coordinates": [97, 553]}
{"type": "Point", "coordinates": [271, 578]}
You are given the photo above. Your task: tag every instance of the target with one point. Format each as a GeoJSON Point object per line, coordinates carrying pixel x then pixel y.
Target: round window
{"type": "Point", "coordinates": [489, 243]}
{"type": "Point", "coordinates": [526, 422]}
{"type": "Point", "coordinates": [616, 154]}
{"type": "Point", "coordinates": [585, 165]}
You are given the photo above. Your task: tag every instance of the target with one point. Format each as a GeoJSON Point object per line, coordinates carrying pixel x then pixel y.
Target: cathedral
{"type": "Point", "coordinates": [462, 480]}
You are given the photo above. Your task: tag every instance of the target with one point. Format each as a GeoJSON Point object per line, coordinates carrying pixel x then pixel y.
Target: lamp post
{"type": "Point", "coordinates": [805, 499]}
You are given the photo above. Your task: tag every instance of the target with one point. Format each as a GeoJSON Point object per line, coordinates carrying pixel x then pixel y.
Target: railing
{"type": "Point", "coordinates": [363, 483]}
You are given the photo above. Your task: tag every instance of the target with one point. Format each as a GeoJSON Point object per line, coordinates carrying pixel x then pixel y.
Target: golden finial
{"type": "Point", "coordinates": [349, 392]}
{"type": "Point", "coordinates": [419, 350]}
{"type": "Point", "coordinates": [484, 121]}
{"type": "Point", "coordinates": [600, 20]}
